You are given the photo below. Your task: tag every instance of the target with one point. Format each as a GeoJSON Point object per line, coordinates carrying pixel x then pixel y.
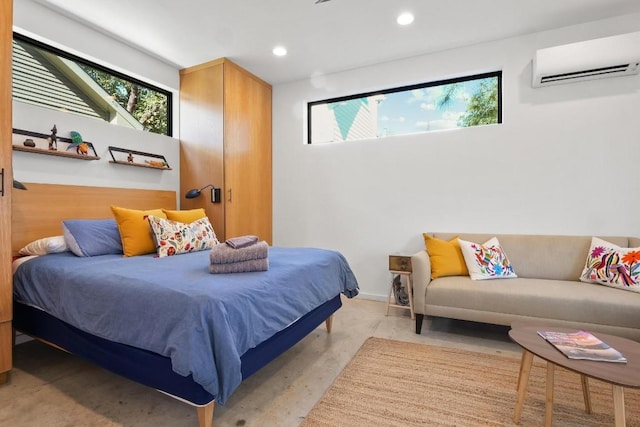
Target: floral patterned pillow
{"type": "Point", "coordinates": [611, 265]}
{"type": "Point", "coordinates": [173, 238]}
{"type": "Point", "coordinates": [486, 261]}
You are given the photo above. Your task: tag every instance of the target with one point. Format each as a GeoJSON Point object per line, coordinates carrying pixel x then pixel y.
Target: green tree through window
{"type": "Point", "coordinates": [51, 78]}
{"type": "Point", "coordinates": [483, 105]}
{"type": "Point", "coordinates": [146, 105]}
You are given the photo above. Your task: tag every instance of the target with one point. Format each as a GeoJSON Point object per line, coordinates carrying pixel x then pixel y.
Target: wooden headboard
{"type": "Point", "coordinates": [39, 211]}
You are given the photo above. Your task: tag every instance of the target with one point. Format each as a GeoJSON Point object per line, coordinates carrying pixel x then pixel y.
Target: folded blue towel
{"type": "Point", "coordinates": [242, 241]}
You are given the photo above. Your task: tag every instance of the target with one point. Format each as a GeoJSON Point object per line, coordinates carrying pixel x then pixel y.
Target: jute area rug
{"type": "Point", "coordinates": [392, 383]}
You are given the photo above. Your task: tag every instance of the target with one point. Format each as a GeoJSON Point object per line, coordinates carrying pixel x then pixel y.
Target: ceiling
{"type": "Point", "coordinates": [321, 38]}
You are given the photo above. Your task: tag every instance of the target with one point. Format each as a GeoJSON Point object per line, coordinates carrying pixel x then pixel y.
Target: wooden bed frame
{"type": "Point", "coordinates": [38, 212]}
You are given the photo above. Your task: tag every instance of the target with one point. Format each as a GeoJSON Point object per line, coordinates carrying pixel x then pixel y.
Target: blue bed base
{"type": "Point", "coordinates": [152, 369]}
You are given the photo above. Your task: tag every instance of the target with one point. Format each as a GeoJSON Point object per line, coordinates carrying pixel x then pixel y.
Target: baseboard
{"type": "Point", "coordinates": [374, 297]}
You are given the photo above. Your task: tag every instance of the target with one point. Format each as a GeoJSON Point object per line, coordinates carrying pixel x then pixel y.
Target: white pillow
{"type": "Point", "coordinates": [610, 265]}
{"type": "Point", "coordinates": [486, 261]}
{"type": "Point", "coordinates": [46, 245]}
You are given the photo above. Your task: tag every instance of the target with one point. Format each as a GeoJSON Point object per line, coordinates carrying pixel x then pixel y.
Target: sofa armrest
{"type": "Point", "coordinates": [421, 277]}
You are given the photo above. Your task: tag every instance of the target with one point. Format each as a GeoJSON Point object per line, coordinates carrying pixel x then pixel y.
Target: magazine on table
{"type": "Point", "coordinates": [582, 345]}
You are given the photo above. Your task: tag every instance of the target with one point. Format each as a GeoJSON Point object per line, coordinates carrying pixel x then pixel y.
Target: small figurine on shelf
{"type": "Point", "coordinates": [77, 143]}
{"type": "Point", "coordinates": [130, 158]}
{"type": "Point", "coordinates": [53, 139]}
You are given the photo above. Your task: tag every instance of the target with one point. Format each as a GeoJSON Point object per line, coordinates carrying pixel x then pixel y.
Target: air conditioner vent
{"type": "Point", "coordinates": [588, 73]}
{"type": "Point", "coordinates": [588, 60]}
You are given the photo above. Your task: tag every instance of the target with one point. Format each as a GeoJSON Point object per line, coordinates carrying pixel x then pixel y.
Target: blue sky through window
{"type": "Point", "coordinates": [417, 110]}
{"type": "Point", "coordinates": [414, 109]}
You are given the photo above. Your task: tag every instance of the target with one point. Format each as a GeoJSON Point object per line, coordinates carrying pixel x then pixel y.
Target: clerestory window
{"type": "Point", "coordinates": [48, 77]}
{"type": "Point", "coordinates": [446, 104]}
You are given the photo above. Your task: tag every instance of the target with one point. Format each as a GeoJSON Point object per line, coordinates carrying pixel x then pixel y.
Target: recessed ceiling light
{"type": "Point", "coordinates": [279, 51]}
{"type": "Point", "coordinates": [405, 18]}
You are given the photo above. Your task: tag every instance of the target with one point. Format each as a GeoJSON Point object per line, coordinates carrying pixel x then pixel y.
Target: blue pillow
{"type": "Point", "coordinates": [92, 237]}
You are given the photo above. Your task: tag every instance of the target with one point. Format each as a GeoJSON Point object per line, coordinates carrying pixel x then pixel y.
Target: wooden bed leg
{"type": "Point", "coordinates": [205, 415]}
{"type": "Point", "coordinates": [329, 322]}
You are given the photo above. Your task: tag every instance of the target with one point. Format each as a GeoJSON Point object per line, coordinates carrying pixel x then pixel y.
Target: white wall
{"type": "Point", "coordinates": [44, 24]}
{"type": "Point", "coordinates": [30, 167]}
{"type": "Point", "coordinates": [562, 162]}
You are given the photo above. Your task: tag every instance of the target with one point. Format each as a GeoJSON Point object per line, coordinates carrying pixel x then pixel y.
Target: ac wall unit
{"type": "Point", "coordinates": [588, 60]}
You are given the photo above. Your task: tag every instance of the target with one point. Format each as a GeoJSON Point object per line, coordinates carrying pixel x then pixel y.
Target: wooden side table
{"type": "Point", "coordinates": [400, 265]}
{"type": "Point", "coordinates": [619, 375]}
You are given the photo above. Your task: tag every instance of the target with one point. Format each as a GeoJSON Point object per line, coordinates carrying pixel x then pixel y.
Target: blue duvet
{"type": "Point", "coordinates": [174, 307]}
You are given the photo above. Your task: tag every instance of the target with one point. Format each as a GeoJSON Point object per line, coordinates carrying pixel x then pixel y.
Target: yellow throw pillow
{"type": "Point", "coordinates": [185, 216]}
{"type": "Point", "coordinates": [135, 231]}
{"type": "Point", "coordinates": [446, 257]}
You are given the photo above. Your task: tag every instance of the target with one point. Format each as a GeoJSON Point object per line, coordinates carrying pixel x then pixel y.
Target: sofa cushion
{"type": "Point", "coordinates": [541, 256]}
{"type": "Point", "coordinates": [611, 265]}
{"type": "Point", "coordinates": [487, 260]}
{"type": "Point", "coordinates": [572, 301]}
{"type": "Point", "coordinates": [445, 256]}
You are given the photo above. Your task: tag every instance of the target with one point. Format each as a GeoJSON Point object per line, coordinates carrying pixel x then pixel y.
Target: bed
{"type": "Point", "coordinates": [166, 322]}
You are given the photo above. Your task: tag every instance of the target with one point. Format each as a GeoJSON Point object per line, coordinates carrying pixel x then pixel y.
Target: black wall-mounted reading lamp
{"type": "Point", "coordinates": [16, 184]}
{"type": "Point", "coordinates": [19, 185]}
{"type": "Point", "coordinates": [194, 192]}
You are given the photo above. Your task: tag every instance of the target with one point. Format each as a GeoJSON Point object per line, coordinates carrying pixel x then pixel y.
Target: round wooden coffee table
{"type": "Point", "coordinates": [619, 375]}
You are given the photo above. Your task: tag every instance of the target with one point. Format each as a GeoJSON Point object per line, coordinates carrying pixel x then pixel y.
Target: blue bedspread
{"type": "Point", "coordinates": [174, 307]}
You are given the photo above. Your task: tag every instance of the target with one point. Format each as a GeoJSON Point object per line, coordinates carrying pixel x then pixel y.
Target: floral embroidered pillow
{"type": "Point", "coordinates": [486, 261]}
{"type": "Point", "coordinates": [611, 265]}
{"type": "Point", "coordinates": [173, 237]}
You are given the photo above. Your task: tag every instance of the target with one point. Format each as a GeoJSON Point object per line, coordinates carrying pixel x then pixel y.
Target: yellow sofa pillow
{"type": "Point", "coordinates": [135, 231]}
{"type": "Point", "coordinates": [446, 257]}
{"type": "Point", "coordinates": [185, 216]}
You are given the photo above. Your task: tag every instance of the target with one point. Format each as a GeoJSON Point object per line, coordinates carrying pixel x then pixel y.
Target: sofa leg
{"type": "Point", "coordinates": [419, 318]}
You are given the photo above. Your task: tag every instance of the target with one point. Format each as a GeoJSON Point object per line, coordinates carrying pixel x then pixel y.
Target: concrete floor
{"type": "Point", "coordinates": [48, 387]}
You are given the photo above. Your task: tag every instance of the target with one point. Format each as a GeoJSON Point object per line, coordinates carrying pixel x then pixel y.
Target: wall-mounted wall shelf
{"type": "Point", "coordinates": [41, 142]}
{"type": "Point", "coordinates": [54, 153]}
{"type": "Point", "coordinates": [41, 145]}
{"type": "Point", "coordinates": [124, 156]}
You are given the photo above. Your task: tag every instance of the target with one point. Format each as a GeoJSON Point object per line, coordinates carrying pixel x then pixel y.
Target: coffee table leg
{"type": "Point", "coordinates": [585, 393]}
{"type": "Point", "coordinates": [548, 413]}
{"type": "Point", "coordinates": [523, 380]}
{"type": "Point", "coordinates": [618, 405]}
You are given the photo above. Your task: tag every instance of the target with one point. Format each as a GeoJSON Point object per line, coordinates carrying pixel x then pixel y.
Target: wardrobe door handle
{"type": "Point", "coordinates": [229, 196]}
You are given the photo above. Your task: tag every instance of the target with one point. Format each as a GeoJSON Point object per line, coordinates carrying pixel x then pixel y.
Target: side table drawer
{"type": "Point", "coordinates": [400, 263]}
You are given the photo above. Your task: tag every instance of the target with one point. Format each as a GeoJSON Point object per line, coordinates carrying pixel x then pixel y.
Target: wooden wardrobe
{"type": "Point", "coordinates": [6, 280]}
{"type": "Point", "coordinates": [225, 140]}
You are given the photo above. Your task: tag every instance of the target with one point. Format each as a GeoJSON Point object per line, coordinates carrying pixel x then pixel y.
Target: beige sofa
{"type": "Point", "coordinates": [547, 290]}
